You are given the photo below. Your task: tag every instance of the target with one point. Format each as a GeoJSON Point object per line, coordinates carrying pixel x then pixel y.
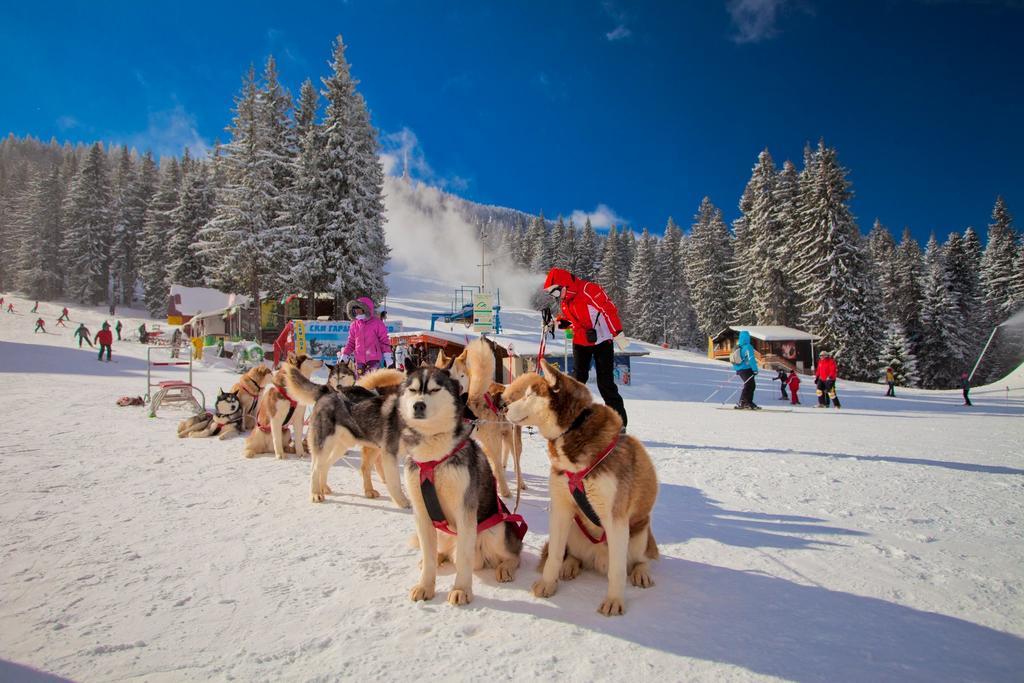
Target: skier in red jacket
{"type": "Point", "coordinates": [40, 325]}
{"type": "Point", "coordinates": [825, 377]}
{"type": "Point", "coordinates": [794, 386]}
{"type": "Point", "coordinates": [596, 329]}
{"type": "Point", "coordinates": [104, 338]}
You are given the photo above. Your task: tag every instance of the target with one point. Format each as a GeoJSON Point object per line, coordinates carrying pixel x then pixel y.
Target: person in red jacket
{"type": "Point", "coordinates": [105, 338]}
{"type": "Point", "coordinates": [40, 325]}
{"type": "Point", "coordinates": [596, 330]}
{"type": "Point", "coordinates": [64, 315]}
{"type": "Point", "coordinates": [794, 386]}
{"type": "Point", "coordinates": [825, 377]}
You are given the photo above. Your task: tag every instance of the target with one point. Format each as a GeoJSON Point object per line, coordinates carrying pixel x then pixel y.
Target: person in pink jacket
{"type": "Point", "coordinates": [368, 342]}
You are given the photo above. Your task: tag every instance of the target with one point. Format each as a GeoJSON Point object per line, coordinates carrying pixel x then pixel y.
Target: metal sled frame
{"type": "Point", "coordinates": [171, 391]}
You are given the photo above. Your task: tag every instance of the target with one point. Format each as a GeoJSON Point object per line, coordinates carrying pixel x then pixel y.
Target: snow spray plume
{"type": "Point", "coordinates": [428, 237]}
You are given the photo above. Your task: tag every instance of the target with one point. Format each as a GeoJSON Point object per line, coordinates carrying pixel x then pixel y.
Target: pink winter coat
{"type": "Point", "coordinates": [367, 339]}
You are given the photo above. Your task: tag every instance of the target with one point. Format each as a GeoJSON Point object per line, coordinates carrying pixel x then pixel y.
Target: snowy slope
{"type": "Point", "coordinates": [880, 542]}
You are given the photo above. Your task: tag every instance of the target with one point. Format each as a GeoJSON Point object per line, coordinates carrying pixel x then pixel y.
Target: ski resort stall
{"type": "Point", "coordinates": [184, 303]}
{"type": "Point", "coordinates": [773, 345]}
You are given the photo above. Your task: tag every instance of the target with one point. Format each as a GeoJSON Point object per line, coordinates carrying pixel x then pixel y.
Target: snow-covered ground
{"type": "Point", "coordinates": [879, 542]}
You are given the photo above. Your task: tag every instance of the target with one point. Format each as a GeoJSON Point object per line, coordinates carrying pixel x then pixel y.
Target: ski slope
{"type": "Point", "coordinates": [879, 542]}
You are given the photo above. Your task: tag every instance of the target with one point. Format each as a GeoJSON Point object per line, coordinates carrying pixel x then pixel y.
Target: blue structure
{"type": "Point", "coordinates": [462, 308]}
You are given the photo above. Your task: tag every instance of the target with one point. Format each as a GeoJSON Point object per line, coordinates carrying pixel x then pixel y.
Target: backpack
{"type": "Point", "coordinates": [736, 357]}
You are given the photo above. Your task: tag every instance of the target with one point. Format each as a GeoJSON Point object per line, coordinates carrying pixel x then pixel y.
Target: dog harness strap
{"type": "Point", "coordinates": [490, 404]}
{"type": "Point", "coordinates": [291, 404]}
{"type": "Point", "coordinates": [583, 528]}
{"type": "Point", "coordinates": [579, 492]}
{"type": "Point", "coordinates": [429, 492]}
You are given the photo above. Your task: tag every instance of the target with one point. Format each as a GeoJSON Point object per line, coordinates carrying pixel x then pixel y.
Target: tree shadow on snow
{"type": "Point", "coordinates": [776, 627]}
{"type": "Point", "coordinates": [951, 465]}
{"type": "Point", "coordinates": [12, 672]}
{"type": "Point", "coordinates": [35, 358]}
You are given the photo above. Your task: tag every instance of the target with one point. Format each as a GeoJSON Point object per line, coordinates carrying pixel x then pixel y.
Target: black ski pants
{"type": "Point", "coordinates": [749, 384]}
{"type": "Point", "coordinates": [603, 357]}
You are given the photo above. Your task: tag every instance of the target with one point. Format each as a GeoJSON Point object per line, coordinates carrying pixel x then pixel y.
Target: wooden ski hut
{"type": "Point", "coordinates": [773, 345]}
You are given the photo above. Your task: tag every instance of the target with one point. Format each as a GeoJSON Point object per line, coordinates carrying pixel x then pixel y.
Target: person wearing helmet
{"type": "Point", "coordinates": [825, 379]}
{"type": "Point", "coordinates": [596, 329]}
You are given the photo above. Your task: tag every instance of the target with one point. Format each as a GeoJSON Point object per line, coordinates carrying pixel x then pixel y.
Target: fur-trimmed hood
{"type": "Point", "coordinates": [364, 303]}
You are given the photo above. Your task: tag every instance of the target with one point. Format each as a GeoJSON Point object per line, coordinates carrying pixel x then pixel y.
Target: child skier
{"type": "Point", "coordinates": [40, 325]}
{"type": "Point", "coordinates": [83, 335]}
{"type": "Point", "coordinates": [105, 338]}
{"type": "Point", "coordinates": [64, 315]}
{"type": "Point", "coordinates": [117, 328]}
{"type": "Point", "coordinates": [60, 322]}
{"type": "Point", "coordinates": [890, 379]}
{"type": "Point", "coordinates": [368, 340]}
{"type": "Point", "coordinates": [794, 386]}
{"type": "Point", "coordinates": [35, 309]}
{"type": "Point", "coordinates": [10, 308]}
{"type": "Point", "coordinates": [965, 384]}
{"type": "Point", "coordinates": [782, 379]}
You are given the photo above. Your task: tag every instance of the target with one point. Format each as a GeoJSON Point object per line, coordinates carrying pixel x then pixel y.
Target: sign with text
{"type": "Point", "coordinates": [325, 339]}
{"type": "Point", "coordinates": [483, 312]}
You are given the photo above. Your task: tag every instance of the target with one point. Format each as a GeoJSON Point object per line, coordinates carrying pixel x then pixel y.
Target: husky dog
{"type": "Point", "coordinates": [226, 419]}
{"type": "Point", "coordinates": [341, 420]}
{"type": "Point", "coordinates": [277, 410]}
{"type": "Point", "coordinates": [452, 489]}
{"type": "Point", "coordinates": [603, 486]}
{"type": "Point", "coordinates": [194, 424]}
{"type": "Point", "coordinates": [340, 375]}
{"type": "Point", "coordinates": [474, 370]}
{"type": "Point", "coordinates": [248, 389]}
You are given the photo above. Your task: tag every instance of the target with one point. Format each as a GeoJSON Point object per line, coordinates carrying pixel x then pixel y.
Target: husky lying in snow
{"type": "Point", "coordinates": [342, 420]}
{"type": "Point", "coordinates": [603, 486]}
{"type": "Point", "coordinates": [225, 421]}
{"type": "Point", "coordinates": [454, 494]}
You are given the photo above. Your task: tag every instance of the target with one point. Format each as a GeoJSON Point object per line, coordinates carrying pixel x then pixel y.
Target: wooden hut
{"type": "Point", "coordinates": [774, 345]}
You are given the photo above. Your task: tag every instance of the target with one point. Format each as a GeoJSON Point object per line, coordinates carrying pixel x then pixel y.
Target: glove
{"type": "Point", "coordinates": [387, 360]}
{"type": "Point", "coordinates": [621, 341]}
{"type": "Point", "coordinates": [564, 324]}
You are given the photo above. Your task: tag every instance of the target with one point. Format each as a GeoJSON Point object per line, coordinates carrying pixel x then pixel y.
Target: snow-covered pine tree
{"type": "Point", "coordinates": [568, 247]}
{"type": "Point", "coordinates": [610, 276]}
{"type": "Point", "coordinates": [129, 230]}
{"type": "Point", "coordinates": [543, 248]}
{"type": "Point", "coordinates": [370, 253]}
{"type": "Point", "coordinates": [194, 210]}
{"type": "Point", "coordinates": [908, 273]}
{"type": "Point", "coordinates": [677, 310]}
{"type": "Point", "coordinates": [706, 260]}
{"type": "Point", "coordinates": [87, 219]}
{"type": "Point", "coordinates": [963, 260]}
{"type": "Point", "coordinates": [940, 351]}
{"type": "Point", "coordinates": [158, 226]}
{"type": "Point", "coordinates": [762, 279]}
{"type": "Point", "coordinates": [896, 354]}
{"type": "Point", "coordinates": [836, 280]}
{"type": "Point", "coordinates": [998, 264]}
{"type": "Point", "coordinates": [643, 313]}
{"type": "Point", "coordinates": [882, 248]}
{"type": "Point", "coordinates": [559, 257]}
{"type": "Point", "coordinates": [587, 253]}
{"type": "Point", "coordinates": [39, 275]}
{"type": "Point", "coordinates": [787, 196]}
{"type": "Point", "coordinates": [124, 174]}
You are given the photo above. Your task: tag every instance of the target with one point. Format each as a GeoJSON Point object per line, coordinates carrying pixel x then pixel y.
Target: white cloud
{"type": "Point", "coordinates": [620, 33]}
{"type": "Point", "coordinates": [67, 122]}
{"type": "Point", "coordinates": [601, 217]}
{"type": "Point", "coordinates": [168, 133]}
{"type": "Point", "coordinates": [755, 19]}
{"type": "Point", "coordinates": [402, 155]}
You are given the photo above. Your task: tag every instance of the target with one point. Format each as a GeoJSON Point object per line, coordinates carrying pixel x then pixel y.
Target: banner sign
{"type": "Point", "coordinates": [325, 339]}
{"type": "Point", "coordinates": [483, 312]}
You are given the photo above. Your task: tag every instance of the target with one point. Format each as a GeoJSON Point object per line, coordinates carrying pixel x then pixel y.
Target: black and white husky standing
{"type": "Point", "coordinates": [454, 495]}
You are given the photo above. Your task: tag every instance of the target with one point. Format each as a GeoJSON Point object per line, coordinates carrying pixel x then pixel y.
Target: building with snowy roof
{"type": "Point", "coordinates": [774, 345]}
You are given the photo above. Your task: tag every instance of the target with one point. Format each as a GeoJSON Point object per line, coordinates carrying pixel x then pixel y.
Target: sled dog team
{"type": "Point", "coordinates": [458, 428]}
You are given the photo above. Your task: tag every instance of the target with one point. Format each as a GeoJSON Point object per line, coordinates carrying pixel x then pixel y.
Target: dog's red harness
{"type": "Point", "coordinates": [291, 409]}
{"type": "Point", "coordinates": [433, 505]}
{"type": "Point", "coordinates": [579, 494]}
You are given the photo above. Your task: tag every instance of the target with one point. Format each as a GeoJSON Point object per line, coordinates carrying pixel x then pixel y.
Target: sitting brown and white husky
{"type": "Point", "coordinates": [603, 486]}
{"type": "Point", "coordinates": [454, 495]}
{"type": "Point", "coordinates": [277, 410]}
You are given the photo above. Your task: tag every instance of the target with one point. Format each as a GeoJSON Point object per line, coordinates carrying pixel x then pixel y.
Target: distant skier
{"type": "Point", "coordinates": [83, 335]}
{"type": "Point", "coordinates": [890, 379]}
{"type": "Point", "coordinates": [117, 328]}
{"type": "Point", "coordinates": [794, 387]}
{"type": "Point", "coordinates": [60, 322]}
{"type": "Point", "coordinates": [40, 325]}
{"type": "Point", "coordinates": [781, 377]}
{"type": "Point", "coordinates": [744, 363]}
{"type": "Point", "coordinates": [64, 315]}
{"type": "Point", "coordinates": [105, 338]}
{"type": "Point", "coordinates": [10, 307]}
{"type": "Point", "coordinates": [825, 377]}
{"type": "Point", "coordinates": [143, 335]}
{"type": "Point", "coordinates": [35, 309]}
{"type": "Point", "coordinates": [1, 302]}
{"type": "Point", "coordinates": [965, 384]}
{"type": "Point", "coordinates": [368, 342]}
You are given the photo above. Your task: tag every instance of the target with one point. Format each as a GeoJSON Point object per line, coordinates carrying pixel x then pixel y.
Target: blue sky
{"type": "Point", "coordinates": [628, 111]}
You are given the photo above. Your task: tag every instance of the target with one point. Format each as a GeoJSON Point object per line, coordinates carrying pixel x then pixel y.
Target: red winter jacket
{"type": "Point", "coordinates": [105, 337]}
{"type": "Point", "coordinates": [793, 382]}
{"type": "Point", "coordinates": [826, 369]}
{"type": "Point", "coordinates": [578, 300]}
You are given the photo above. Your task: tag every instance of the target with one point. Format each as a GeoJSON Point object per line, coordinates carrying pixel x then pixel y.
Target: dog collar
{"type": "Point", "coordinates": [577, 423]}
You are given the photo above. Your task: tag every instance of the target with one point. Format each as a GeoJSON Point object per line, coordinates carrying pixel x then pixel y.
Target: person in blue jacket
{"type": "Point", "coordinates": [746, 368]}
